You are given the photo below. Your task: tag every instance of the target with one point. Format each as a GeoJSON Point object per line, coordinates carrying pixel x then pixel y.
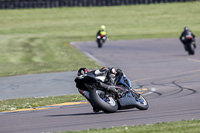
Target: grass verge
{"type": "Point", "coordinates": [41, 55]}
{"type": "Point", "coordinates": [192, 126]}
{"type": "Point", "coordinates": [21, 103]}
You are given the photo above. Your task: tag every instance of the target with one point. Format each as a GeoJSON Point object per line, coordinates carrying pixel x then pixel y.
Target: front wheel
{"type": "Point", "coordinates": [141, 103]}
{"type": "Point", "coordinates": [103, 101]}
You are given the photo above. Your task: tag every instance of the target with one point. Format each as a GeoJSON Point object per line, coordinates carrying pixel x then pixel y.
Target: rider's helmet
{"type": "Point", "coordinates": [103, 28]}
{"type": "Point", "coordinates": [82, 71]}
{"type": "Point", "coordinates": [113, 71]}
{"type": "Point", "coordinates": [186, 28]}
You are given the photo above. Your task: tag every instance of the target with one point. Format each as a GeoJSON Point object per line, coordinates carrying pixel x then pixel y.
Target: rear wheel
{"type": "Point", "coordinates": [103, 101]}
{"type": "Point", "coordinates": [191, 49]}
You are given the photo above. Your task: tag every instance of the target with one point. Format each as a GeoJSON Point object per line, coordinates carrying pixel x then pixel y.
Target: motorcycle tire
{"type": "Point", "coordinates": [110, 106]}
{"type": "Point", "coordinates": [191, 49]}
{"type": "Point", "coordinates": [141, 103]}
{"type": "Point", "coordinates": [100, 43]}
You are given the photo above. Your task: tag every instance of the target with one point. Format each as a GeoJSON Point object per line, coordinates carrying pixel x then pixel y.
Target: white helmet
{"type": "Point", "coordinates": [113, 70]}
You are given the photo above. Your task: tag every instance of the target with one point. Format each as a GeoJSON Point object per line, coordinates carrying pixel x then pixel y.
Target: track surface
{"type": "Point", "coordinates": [159, 64]}
{"type": "Point", "coordinates": [38, 85]}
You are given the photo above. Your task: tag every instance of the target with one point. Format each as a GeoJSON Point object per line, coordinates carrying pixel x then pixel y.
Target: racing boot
{"type": "Point", "coordinates": [95, 109]}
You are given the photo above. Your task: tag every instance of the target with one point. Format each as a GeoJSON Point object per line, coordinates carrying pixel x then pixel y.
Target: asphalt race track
{"type": "Point", "coordinates": [161, 65]}
{"type": "Point", "coordinates": [38, 85]}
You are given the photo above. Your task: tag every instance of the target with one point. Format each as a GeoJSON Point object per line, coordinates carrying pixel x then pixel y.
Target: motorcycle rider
{"type": "Point", "coordinates": [183, 37]}
{"type": "Point", "coordinates": [102, 31]}
{"type": "Point", "coordinates": [108, 76]}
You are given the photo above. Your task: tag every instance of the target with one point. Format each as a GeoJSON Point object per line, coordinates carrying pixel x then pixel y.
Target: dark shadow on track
{"type": "Point", "coordinates": [87, 114]}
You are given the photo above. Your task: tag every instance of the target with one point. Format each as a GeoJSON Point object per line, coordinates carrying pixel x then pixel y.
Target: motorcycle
{"type": "Point", "coordinates": [100, 40]}
{"type": "Point", "coordinates": [189, 44]}
{"type": "Point", "coordinates": [108, 101]}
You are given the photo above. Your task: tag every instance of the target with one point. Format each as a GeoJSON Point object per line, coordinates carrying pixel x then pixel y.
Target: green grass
{"type": "Point", "coordinates": [40, 55]}
{"type": "Point", "coordinates": [192, 126]}
{"type": "Point", "coordinates": [21, 103]}
{"type": "Point", "coordinates": [37, 40]}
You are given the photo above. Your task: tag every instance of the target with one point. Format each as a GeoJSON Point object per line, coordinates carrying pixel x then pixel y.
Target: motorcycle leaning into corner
{"type": "Point", "coordinates": [101, 39]}
{"type": "Point", "coordinates": [108, 101]}
{"type": "Point", "coordinates": [189, 44]}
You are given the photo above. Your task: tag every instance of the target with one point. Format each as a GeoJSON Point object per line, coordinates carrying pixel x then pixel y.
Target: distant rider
{"type": "Point", "coordinates": [183, 37]}
{"type": "Point", "coordinates": [109, 74]}
{"type": "Point", "coordinates": [102, 31]}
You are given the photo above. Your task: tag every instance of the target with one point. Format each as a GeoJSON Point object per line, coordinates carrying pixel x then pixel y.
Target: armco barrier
{"type": "Point", "coordinates": [16, 4]}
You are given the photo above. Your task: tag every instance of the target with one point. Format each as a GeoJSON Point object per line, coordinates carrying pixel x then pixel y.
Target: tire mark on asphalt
{"type": "Point", "coordinates": [184, 77]}
{"type": "Point", "coordinates": [184, 88]}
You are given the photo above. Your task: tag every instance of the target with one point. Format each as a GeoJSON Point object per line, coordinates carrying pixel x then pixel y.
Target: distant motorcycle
{"type": "Point", "coordinates": [101, 39]}
{"type": "Point", "coordinates": [189, 44]}
{"type": "Point", "coordinates": [108, 101]}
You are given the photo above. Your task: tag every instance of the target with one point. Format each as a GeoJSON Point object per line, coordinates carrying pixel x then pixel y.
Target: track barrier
{"type": "Point", "coordinates": [21, 4]}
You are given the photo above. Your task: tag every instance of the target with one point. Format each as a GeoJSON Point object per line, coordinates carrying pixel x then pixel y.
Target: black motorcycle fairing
{"type": "Point", "coordinates": [190, 46]}
{"type": "Point", "coordinates": [89, 79]}
{"type": "Point", "coordinates": [127, 101]}
{"type": "Point", "coordinates": [129, 98]}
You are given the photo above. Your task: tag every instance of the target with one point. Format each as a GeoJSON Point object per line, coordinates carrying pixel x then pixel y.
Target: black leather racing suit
{"type": "Point", "coordinates": [110, 77]}
{"type": "Point", "coordinates": [184, 35]}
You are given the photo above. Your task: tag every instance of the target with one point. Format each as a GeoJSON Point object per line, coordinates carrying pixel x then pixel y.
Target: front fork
{"type": "Point", "coordinates": [135, 94]}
